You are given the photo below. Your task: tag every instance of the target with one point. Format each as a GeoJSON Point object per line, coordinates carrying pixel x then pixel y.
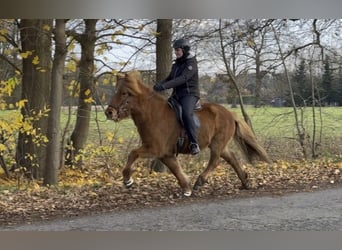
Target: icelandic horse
{"type": "Point", "coordinates": [159, 130]}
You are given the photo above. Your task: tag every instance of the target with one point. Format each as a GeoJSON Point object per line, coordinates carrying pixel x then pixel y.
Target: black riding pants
{"type": "Point", "coordinates": [188, 105]}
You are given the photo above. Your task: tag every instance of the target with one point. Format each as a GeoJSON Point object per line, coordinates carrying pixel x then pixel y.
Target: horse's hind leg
{"type": "Point", "coordinates": [172, 163]}
{"type": "Point", "coordinates": [212, 164]}
{"type": "Point", "coordinates": [230, 158]}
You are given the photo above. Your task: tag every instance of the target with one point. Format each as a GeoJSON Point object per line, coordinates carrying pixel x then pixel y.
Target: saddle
{"type": "Point", "coordinates": [174, 104]}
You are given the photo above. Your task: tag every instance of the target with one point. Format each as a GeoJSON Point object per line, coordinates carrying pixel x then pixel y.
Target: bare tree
{"type": "Point", "coordinates": [87, 41]}
{"type": "Point", "coordinates": [232, 76]}
{"type": "Point", "coordinates": [54, 156]}
{"type": "Point", "coordinates": [301, 131]}
{"type": "Point", "coordinates": [262, 56]}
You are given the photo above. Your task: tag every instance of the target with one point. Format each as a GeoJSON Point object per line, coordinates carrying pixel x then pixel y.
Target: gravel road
{"type": "Point", "coordinates": [317, 211]}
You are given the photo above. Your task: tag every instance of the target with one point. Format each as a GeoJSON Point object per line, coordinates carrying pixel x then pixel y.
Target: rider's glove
{"type": "Point", "coordinates": [158, 87]}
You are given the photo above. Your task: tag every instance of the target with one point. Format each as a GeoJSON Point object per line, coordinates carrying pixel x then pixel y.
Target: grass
{"type": "Point", "coordinates": [280, 122]}
{"type": "Point", "coordinates": [276, 129]}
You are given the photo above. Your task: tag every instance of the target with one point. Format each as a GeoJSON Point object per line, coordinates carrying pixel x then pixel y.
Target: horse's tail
{"type": "Point", "coordinates": [246, 140]}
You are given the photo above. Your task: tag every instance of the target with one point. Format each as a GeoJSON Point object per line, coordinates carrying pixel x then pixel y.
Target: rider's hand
{"type": "Point", "coordinates": [158, 87]}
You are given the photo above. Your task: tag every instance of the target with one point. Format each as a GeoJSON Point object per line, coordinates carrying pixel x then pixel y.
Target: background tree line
{"type": "Point", "coordinates": [48, 64]}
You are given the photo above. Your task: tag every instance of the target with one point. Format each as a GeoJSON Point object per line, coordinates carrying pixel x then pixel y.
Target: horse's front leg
{"type": "Point", "coordinates": [128, 170]}
{"type": "Point", "coordinates": [141, 152]}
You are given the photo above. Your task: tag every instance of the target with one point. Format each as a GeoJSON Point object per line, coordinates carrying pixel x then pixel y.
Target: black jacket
{"type": "Point", "coordinates": [183, 77]}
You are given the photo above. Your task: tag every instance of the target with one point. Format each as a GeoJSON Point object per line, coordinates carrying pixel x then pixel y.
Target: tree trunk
{"type": "Point", "coordinates": [164, 62]}
{"type": "Point", "coordinates": [36, 39]}
{"type": "Point", "coordinates": [80, 134]}
{"type": "Point", "coordinates": [163, 48]}
{"type": "Point", "coordinates": [53, 158]}
{"type": "Point", "coordinates": [258, 79]}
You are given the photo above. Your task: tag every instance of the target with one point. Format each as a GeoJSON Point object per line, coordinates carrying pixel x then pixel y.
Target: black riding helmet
{"type": "Point", "coordinates": [183, 44]}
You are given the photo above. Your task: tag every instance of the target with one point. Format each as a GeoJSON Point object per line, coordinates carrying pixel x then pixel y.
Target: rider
{"type": "Point", "coordinates": [183, 78]}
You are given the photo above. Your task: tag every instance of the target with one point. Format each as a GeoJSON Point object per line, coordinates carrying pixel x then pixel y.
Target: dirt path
{"type": "Point", "coordinates": [319, 210]}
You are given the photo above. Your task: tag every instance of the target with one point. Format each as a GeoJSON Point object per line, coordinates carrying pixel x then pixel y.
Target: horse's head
{"type": "Point", "coordinates": [128, 88]}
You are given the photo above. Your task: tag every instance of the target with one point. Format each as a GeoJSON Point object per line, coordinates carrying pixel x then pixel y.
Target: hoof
{"type": "Point", "coordinates": [128, 183]}
{"type": "Point", "coordinates": [196, 187]}
{"type": "Point", "coordinates": [245, 186]}
{"type": "Point", "coordinates": [245, 183]}
{"type": "Point", "coordinates": [199, 183]}
{"type": "Point", "coordinates": [187, 193]}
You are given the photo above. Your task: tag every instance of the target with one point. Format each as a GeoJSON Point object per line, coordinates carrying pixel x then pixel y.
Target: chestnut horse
{"type": "Point", "coordinates": [159, 130]}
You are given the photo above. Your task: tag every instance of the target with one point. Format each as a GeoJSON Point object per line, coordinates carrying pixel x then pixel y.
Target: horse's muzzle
{"type": "Point", "coordinates": [112, 114]}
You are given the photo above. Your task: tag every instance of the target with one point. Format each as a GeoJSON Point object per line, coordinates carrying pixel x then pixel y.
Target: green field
{"type": "Point", "coordinates": [274, 127]}
{"type": "Point", "coordinates": [268, 121]}
{"type": "Point", "coordinates": [281, 121]}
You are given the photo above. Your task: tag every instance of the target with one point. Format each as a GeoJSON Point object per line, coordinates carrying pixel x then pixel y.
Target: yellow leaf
{"type": "Point", "coordinates": [87, 92]}
{"type": "Point", "coordinates": [92, 194]}
{"type": "Point", "coordinates": [250, 42]}
{"type": "Point", "coordinates": [35, 60]}
{"type": "Point", "coordinates": [26, 54]}
{"type": "Point", "coordinates": [71, 66]}
{"type": "Point", "coordinates": [89, 100]}
{"type": "Point", "coordinates": [36, 186]}
{"type": "Point", "coordinates": [110, 136]}
{"type": "Point", "coordinates": [119, 32]}
{"type": "Point", "coordinates": [20, 104]}
{"type": "Point", "coordinates": [8, 52]}
{"type": "Point", "coordinates": [3, 31]}
{"type": "Point", "coordinates": [47, 27]}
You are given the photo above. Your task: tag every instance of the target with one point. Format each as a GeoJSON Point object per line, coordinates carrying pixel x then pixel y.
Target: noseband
{"type": "Point", "coordinates": [122, 107]}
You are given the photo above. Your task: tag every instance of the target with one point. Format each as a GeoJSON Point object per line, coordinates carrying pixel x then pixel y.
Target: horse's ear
{"type": "Point", "coordinates": [119, 76]}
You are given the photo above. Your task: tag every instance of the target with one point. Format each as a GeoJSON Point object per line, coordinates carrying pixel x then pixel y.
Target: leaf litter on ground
{"type": "Point", "coordinates": [97, 189]}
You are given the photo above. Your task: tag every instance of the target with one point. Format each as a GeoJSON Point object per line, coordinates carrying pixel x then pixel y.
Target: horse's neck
{"type": "Point", "coordinates": [149, 112]}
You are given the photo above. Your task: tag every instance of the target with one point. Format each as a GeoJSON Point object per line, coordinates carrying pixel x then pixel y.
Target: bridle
{"type": "Point", "coordinates": [123, 105]}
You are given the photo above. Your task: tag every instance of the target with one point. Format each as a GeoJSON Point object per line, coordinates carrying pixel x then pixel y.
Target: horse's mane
{"type": "Point", "coordinates": [138, 86]}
